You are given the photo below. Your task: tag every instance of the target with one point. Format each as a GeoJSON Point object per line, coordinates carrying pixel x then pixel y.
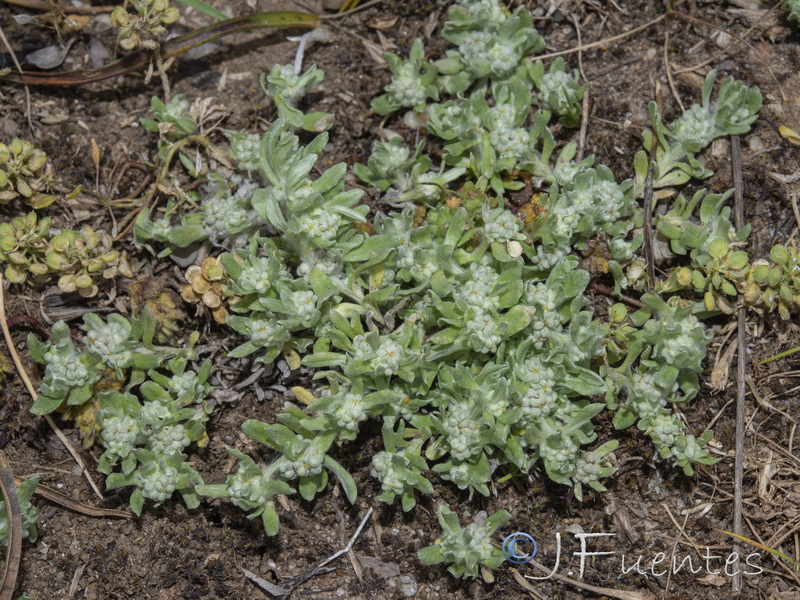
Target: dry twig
{"type": "Point", "coordinates": [283, 591]}
{"type": "Point", "coordinates": [14, 552]}
{"type": "Point", "coordinates": [78, 507]}
{"type": "Point", "coordinates": [741, 368]}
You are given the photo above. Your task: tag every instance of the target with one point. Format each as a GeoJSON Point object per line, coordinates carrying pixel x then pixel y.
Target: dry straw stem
{"type": "Point", "coordinates": [32, 391]}
{"type": "Point", "coordinates": [14, 552]}
{"type": "Point", "coordinates": [78, 507]}
{"type": "Point", "coordinates": [741, 369]}
{"type": "Point", "coordinates": [611, 593]}
{"type": "Point", "coordinates": [283, 591]}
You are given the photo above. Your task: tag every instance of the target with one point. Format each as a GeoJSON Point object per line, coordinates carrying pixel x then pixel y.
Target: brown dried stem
{"type": "Point", "coordinates": [14, 552]}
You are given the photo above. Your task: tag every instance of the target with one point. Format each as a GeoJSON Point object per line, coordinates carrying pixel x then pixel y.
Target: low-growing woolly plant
{"type": "Point", "coordinates": [460, 325]}
{"type": "Point", "coordinates": [468, 550]}
{"type": "Point", "coordinates": [144, 433]}
{"type": "Point", "coordinates": [146, 27]}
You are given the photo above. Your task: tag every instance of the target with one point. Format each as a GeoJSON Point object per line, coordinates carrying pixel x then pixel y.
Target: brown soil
{"type": "Point", "coordinates": [172, 552]}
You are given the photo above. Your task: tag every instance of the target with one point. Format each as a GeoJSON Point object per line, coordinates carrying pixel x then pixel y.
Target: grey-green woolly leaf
{"type": "Point", "coordinates": [274, 436]}
{"type": "Point", "coordinates": [186, 235]}
{"type": "Point", "coordinates": [137, 502]}
{"type": "Point", "coordinates": [347, 481]}
{"type": "Point", "coordinates": [243, 350]}
{"type": "Point", "coordinates": [408, 500]}
{"type": "Point", "coordinates": [516, 319]}
{"type": "Point", "coordinates": [382, 105]}
{"type": "Point", "coordinates": [431, 555]}
{"type": "Point", "coordinates": [324, 359]}
{"type": "Point", "coordinates": [37, 348]}
{"type": "Point", "coordinates": [266, 206]}
{"type": "Point", "coordinates": [270, 520]}
{"type": "Point", "coordinates": [79, 395]}
{"type": "Point", "coordinates": [497, 520]}
{"type": "Point", "coordinates": [585, 383]}
{"type": "Point", "coordinates": [374, 247]}
{"type": "Point", "coordinates": [45, 405]}
{"type": "Point", "coordinates": [624, 418]}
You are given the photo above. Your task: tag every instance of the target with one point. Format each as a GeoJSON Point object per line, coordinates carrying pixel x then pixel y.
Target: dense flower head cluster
{"type": "Point", "coordinates": [119, 434]}
{"type": "Point", "coordinates": [158, 482]}
{"type": "Point", "coordinates": [465, 431]}
{"type": "Point", "coordinates": [307, 463]}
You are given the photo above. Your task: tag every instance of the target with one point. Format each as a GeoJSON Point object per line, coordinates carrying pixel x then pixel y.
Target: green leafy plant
{"type": "Point", "coordinates": [560, 92]}
{"type": "Point", "coordinates": [491, 44]}
{"type": "Point", "coordinates": [146, 438]}
{"type": "Point", "coordinates": [413, 82]}
{"type": "Point", "coordinates": [286, 88]}
{"type": "Point", "coordinates": [675, 162]}
{"type": "Point", "coordinates": [144, 433]}
{"type": "Point", "coordinates": [146, 26]}
{"type": "Point", "coordinates": [79, 258]}
{"type": "Point", "coordinates": [793, 8]}
{"type": "Point", "coordinates": [468, 550]}
{"type": "Point", "coordinates": [459, 324]}
{"type": "Point", "coordinates": [24, 173]}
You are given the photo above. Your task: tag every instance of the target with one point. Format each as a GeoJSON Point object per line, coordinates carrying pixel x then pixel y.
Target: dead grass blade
{"type": "Point", "coordinates": [763, 547]}
{"type": "Point", "coordinates": [14, 552]}
{"type": "Point", "coordinates": [611, 593]}
{"type": "Point", "coordinates": [78, 507]}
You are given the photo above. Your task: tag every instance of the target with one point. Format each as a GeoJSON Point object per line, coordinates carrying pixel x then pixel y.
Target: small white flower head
{"type": "Point", "coordinates": [153, 414]}
{"type": "Point", "coordinates": [503, 57]}
{"type": "Point", "coordinates": [485, 12]}
{"type": "Point", "coordinates": [511, 143]}
{"type": "Point", "coordinates": [245, 150]}
{"type": "Point", "coordinates": [475, 47]}
{"type": "Point", "coordinates": [350, 412]}
{"type": "Point", "coordinates": [558, 90]}
{"type": "Point", "coordinates": [108, 343]}
{"type": "Point", "coordinates": [161, 229]}
{"type": "Point", "coordinates": [483, 332]}
{"type": "Point", "coordinates": [245, 489]}
{"type": "Point", "coordinates": [320, 223]}
{"type": "Point", "coordinates": [68, 369]}
{"type": "Point", "coordinates": [387, 358]}
{"type": "Point", "coordinates": [169, 440]}
{"type": "Point", "coordinates": [177, 108]}
{"type": "Point", "coordinates": [664, 430]}
{"type": "Point", "coordinates": [119, 434]}
{"type": "Point", "coordinates": [501, 226]}
{"type": "Point", "coordinates": [305, 303]}
{"type": "Point", "coordinates": [263, 331]}
{"type": "Point", "coordinates": [224, 216]}
{"type": "Point", "coordinates": [158, 483]}
{"type": "Point", "coordinates": [186, 385]}
{"type": "Point", "coordinates": [309, 464]}
{"type": "Point", "coordinates": [464, 432]}
{"type": "Point", "coordinates": [561, 455]}
{"type": "Point", "coordinates": [480, 541]}
{"type": "Point", "coordinates": [255, 275]}
{"type": "Point", "coordinates": [695, 127]}
{"type": "Point", "coordinates": [406, 87]}
{"type": "Point", "coordinates": [587, 468]}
